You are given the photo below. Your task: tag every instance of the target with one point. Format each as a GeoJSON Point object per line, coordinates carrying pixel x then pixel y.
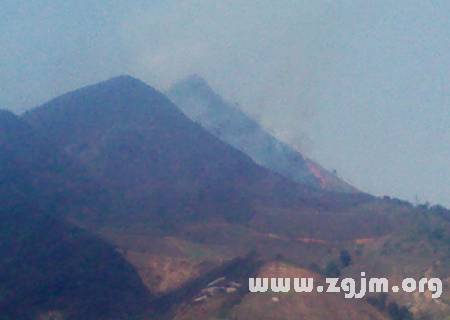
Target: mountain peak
{"type": "Point", "coordinates": [121, 92]}
{"type": "Point", "coordinates": [123, 80]}
{"type": "Point", "coordinates": [195, 79]}
{"type": "Point", "coordinates": [196, 85]}
{"type": "Point", "coordinates": [121, 83]}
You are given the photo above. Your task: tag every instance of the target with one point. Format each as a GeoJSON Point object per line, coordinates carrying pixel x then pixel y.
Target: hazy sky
{"type": "Point", "coordinates": [361, 86]}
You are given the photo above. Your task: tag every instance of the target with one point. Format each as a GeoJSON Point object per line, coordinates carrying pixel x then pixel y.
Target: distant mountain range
{"type": "Point", "coordinates": [230, 124]}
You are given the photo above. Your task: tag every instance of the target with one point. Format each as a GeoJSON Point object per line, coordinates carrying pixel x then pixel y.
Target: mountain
{"type": "Point", "coordinates": [167, 204]}
{"type": "Point", "coordinates": [47, 265]}
{"type": "Point", "coordinates": [157, 171]}
{"type": "Point", "coordinates": [143, 148]}
{"type": "Point", "coordinates": [230, 124]}
{"type": "Point", "coordinates": [164, 168]}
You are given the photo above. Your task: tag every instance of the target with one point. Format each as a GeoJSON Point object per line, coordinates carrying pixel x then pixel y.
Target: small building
{"type": "Point", "coordinates": [234, 284]}
{"type": "Point", "coordinates": [230, 290]}
{"type": "Point", "coordinates": [201, 298]}
{"type": "Point", "coordinates": [215, 281]}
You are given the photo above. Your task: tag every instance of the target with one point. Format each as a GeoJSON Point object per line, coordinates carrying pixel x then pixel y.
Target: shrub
{"type": "Point", "coordinates": [392, 309]}
{"type": "Point", "coordinates": [345, 258]}
{"type": "Point", "coordinates": [379, 301]}
{"type": "Point", "coordinates": [332, 270]}
{"type": "Point", "coordinates": [314, 267]}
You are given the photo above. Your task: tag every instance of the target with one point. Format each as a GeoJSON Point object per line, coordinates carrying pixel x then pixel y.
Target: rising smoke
{"type": "Point", "coordinates": [264, 55]}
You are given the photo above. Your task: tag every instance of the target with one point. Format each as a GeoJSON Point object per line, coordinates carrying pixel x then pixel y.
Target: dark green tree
{"type": "Point", "coordinates": [314, 267]}
{"type": "Point", "coordinates": [379, 301]}
{"type": "Point", "coordinates": [403, 314]}
{"type": "Point", "coordinates": [345, 258]}
{"type": "Point", "coordinates": [392, 309]}
{"type": "Point", "coordinates": [332, 270]}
